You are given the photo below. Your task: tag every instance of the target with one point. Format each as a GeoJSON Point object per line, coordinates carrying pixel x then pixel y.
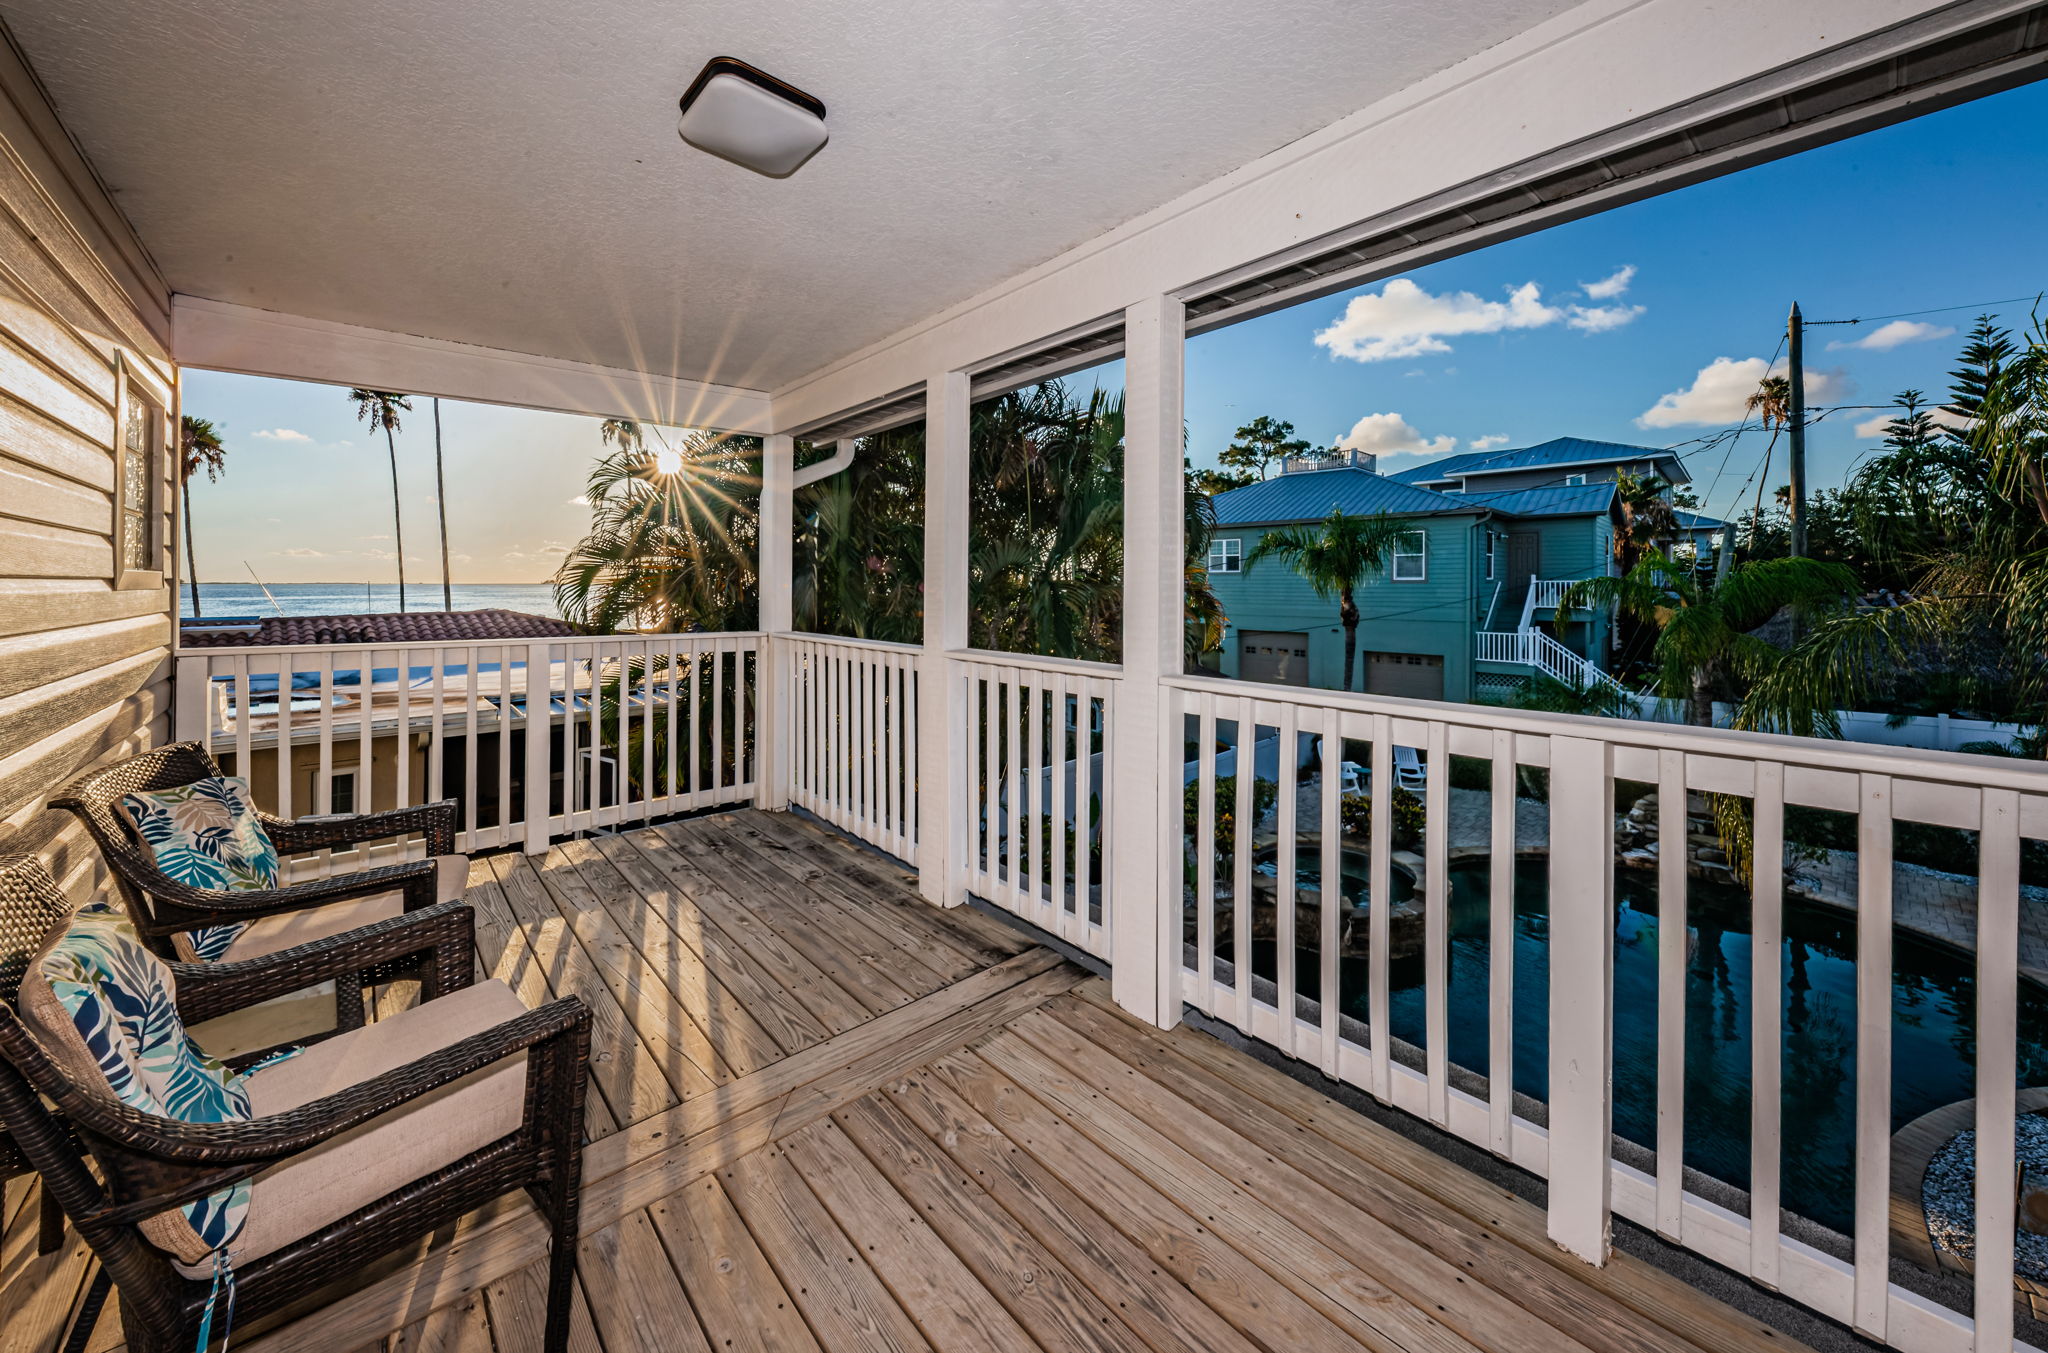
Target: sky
{"type": "Point", "coordinates": [1646, 325]}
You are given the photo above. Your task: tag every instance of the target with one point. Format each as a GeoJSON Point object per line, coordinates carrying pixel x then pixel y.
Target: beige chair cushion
{"type": "Point", "coordinates": [297, 1197]}
{"type": "Point", "coordinates": [268, 934]}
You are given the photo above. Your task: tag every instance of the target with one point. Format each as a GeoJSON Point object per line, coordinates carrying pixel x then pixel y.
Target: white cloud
{"type": "Point", "coordinates": [376, 554]}
{"type": "Point", "coordinates": [282, 435]}
{"type": "Point", "coordinates": [1402, 320]}
{"type": "Point", "coordinates": [1719, 393]}
{"type": "Point", "coordinates": [580, 500]}
{"type": "Point", "coordinates": [1612, 285]}
{"type": "Point", "coordinates": [1898, 333]}
{"type": "Point", "coordinates": [1388, 434]}
{"type": "Point", "coordinates": [1489, 442]}
{"type": "Point", "coordinates": [1598, 319]}
{"type": "Point", "coordinates": [299, 552]}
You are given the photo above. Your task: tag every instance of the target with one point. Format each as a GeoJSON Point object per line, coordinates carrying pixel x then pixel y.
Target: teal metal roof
{"type": "Point", "coordinates": [1573, 500]}
{"type": "Point", "coordinates": [1557, 451]}
{"type": "Point", "coordinates": [1313, 495]}
{"type": "Point", "coordinates": [1697, 521]}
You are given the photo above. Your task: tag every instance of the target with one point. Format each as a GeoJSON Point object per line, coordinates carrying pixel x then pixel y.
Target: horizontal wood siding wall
{"type": "Point", "coordinates": [84, 670]}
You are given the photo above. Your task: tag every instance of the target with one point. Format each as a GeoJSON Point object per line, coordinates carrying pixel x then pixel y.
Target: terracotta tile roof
{"type": "Point", "coordinates": [416, 627]}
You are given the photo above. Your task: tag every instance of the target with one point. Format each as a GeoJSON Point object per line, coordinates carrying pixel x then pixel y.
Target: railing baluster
{"type": "Point", "coordinates": [1247, 812]}
{"type": "Point", "coordinates": [1500, 951]}
{"type": "Point", "coordinates": [286, 660]}
{"type": "Point", "coordinates": [1436, 982]}
{"type": "Point", "coordinates": [1378, 895]}
{"type": "Point", "coordinates": [1056, 881]}
{"type": "Point", "coordinates": [243, 700]}
{"type": "Point", "coordinates": [1286, 752]}
{"type": "Point", "coordinates": [323, 793]}
{"type": "Point", "coordinates": [1673, 944]}
{"type": "Point", "coordinates": [1766, 1012]}
{"type": "Point", "coordinates": [1205, 856]}
{"type": "Point", "coordinates": [470, 678]}
{"type": "Point", "coordinates": [1998, 943]}
{"type": "Point", "coordinates": [1873, 1055]}
{"type": "Point", "coordinates": [1329, 975]}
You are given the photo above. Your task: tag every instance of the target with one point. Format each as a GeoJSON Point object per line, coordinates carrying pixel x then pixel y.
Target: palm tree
{"type": "Point", "coordinates": [1772, 401]}
{"type": "Point", "coordinates": [1336, 556]}
{"type": "Point", "coordinates": [1968, 515]}
{"type": "Point", "coordinates": [1648, 523]}
{"type": "Point", "coordinates": [199, 448]}
{"type": "Point", "coordinates": [1705, 633]}
{"type": "Point", "coordinates": [441, 500]}
{"type": "Point", "coordinates": [672, 538]}
{"type": "Point", "coordinates": [380, 409]}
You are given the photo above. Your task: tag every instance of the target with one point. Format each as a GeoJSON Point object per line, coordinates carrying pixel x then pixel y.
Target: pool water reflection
{"type": "Point", "coordinates": [1933, 1040]}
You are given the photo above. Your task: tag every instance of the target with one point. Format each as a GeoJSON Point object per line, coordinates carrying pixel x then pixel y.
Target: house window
{"type": "Point", "coordinates": [341, 792]}
{"type": "Point", "coordinates": [1492, 545]}
{"type": "Point", "coordinates": [139, 547]}
{"type": "Point", "coordinates": [1572, 481]}
{"type": "Point", "coordinates": [1226, 556]}
{"type": "Point", "coordinates": [1411, 558]}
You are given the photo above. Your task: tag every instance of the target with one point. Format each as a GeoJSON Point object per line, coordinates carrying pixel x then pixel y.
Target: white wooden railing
{"type": "Point", "coordinates": [1040, 812]}
{"type": "Point", "coordinates": [853, 709]}
{"type": "Point", "coordinates": [1534, 648]}
{"type": "Point", "coordinates": [642, 726]}
{"type": "Point", "coordinates": [533, 739]}
{"type": "Point", "coordinates": [1217, 875]}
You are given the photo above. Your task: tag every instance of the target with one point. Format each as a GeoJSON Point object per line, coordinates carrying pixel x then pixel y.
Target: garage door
{"type": "Point", "coordinates": [1419, 676]}
{"type": "Point", "coordinates": [1279, 658]}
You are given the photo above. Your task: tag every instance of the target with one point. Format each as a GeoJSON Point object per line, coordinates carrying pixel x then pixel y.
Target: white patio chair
{"type": "Point", "coordinates": [1409, 772]}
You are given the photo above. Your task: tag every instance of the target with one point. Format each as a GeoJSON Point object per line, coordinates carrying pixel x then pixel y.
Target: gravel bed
{"type": "Point", "coordinates": [1949, 1195]}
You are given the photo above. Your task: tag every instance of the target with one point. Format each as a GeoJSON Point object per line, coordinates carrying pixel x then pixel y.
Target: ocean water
{"type": "Point", "coordinates": [225, 599]}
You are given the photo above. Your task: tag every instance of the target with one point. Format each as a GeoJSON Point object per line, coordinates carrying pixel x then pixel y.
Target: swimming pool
{"type": "Point", "coordinates": [1933, 1042]}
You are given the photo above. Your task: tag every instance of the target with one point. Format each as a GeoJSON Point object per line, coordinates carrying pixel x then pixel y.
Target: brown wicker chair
{"type": "Point", "coordinates": [162, 907]}
{"type": "Point", "coordinates": [150, 1163]}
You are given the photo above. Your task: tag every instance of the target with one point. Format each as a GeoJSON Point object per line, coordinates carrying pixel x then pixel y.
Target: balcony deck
{"type": "Point", "coordinates": [828, 1116]}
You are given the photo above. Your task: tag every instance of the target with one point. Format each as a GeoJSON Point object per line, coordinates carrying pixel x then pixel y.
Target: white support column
{"type": "Point", "coordinates": [941, 700]}
{"type": "Point", "coordinates": [1146, 924]}
{"type": "Point", "coordinates": [777, 584]}
{"type": "Point", "coordinates": [1581, 997]}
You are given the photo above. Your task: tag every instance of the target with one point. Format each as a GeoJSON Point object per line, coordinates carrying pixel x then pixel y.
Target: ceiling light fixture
{"type": "Point", "coordinates": [748, 116]}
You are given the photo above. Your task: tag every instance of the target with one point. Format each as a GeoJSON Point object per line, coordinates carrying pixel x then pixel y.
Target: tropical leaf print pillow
{"type": "Point", "coordinates": [206, 835]}
{"type": "Point", "coordinates": [119, 1002]}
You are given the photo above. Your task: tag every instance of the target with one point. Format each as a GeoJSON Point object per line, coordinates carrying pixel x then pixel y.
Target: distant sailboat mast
{"type": "Point", "coordinates": [266, 591]}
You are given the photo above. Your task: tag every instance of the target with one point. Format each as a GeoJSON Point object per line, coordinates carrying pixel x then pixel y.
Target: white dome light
{"type": "Point", "coordinates": [748, 116]}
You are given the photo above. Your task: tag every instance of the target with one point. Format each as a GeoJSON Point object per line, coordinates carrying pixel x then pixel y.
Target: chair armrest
{"type": "Point", "coordinates": [447, 932]}
{"type": "Point", "coordinates": [436, 821]}
{"type": "Point", "coordinates": [180, 908]}
{"type": "Point", "coordinates": [154, 1163]}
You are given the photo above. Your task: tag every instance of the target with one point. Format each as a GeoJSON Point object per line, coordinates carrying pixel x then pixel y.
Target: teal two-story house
{"type": "Point", "coordinates": [1465, 607]}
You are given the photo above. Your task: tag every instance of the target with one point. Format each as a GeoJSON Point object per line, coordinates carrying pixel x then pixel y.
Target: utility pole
{"type": "Point", "coordinates": [1796, 426]}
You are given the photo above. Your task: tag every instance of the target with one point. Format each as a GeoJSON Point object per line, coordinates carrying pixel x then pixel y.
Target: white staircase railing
{"type": "Point", "coordinates": [1534, 648]}
{"type": "Point", "coordinates": [1528, 646]}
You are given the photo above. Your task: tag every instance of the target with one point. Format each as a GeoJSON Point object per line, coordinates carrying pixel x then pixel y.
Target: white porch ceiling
{"type": "Point", "coordinates": [508, 173]}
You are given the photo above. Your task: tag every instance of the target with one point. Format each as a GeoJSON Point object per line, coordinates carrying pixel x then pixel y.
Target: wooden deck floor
{"type": "Point", "coordinates": [830, 1117]}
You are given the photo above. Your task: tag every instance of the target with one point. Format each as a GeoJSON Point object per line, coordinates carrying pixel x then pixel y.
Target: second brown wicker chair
{"type": "Point", "coordinates": [162, 907]}
{"type": "Point", "coordinates": [330, 1152]}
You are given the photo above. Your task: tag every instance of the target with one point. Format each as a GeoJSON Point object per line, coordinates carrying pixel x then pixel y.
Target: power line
{"type": "Point", "coordinates": [1932, 310]}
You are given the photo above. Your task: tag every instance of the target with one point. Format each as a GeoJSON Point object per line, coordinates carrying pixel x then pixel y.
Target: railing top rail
{"type": "Point", "coordinates": [425, 645]}
{"type": "Point", "coordinates": [1917, 763]}
{"type": "Point", "coordinates": [1032, 662]}
{"type": "Point", "coordinates": [845, 641]}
